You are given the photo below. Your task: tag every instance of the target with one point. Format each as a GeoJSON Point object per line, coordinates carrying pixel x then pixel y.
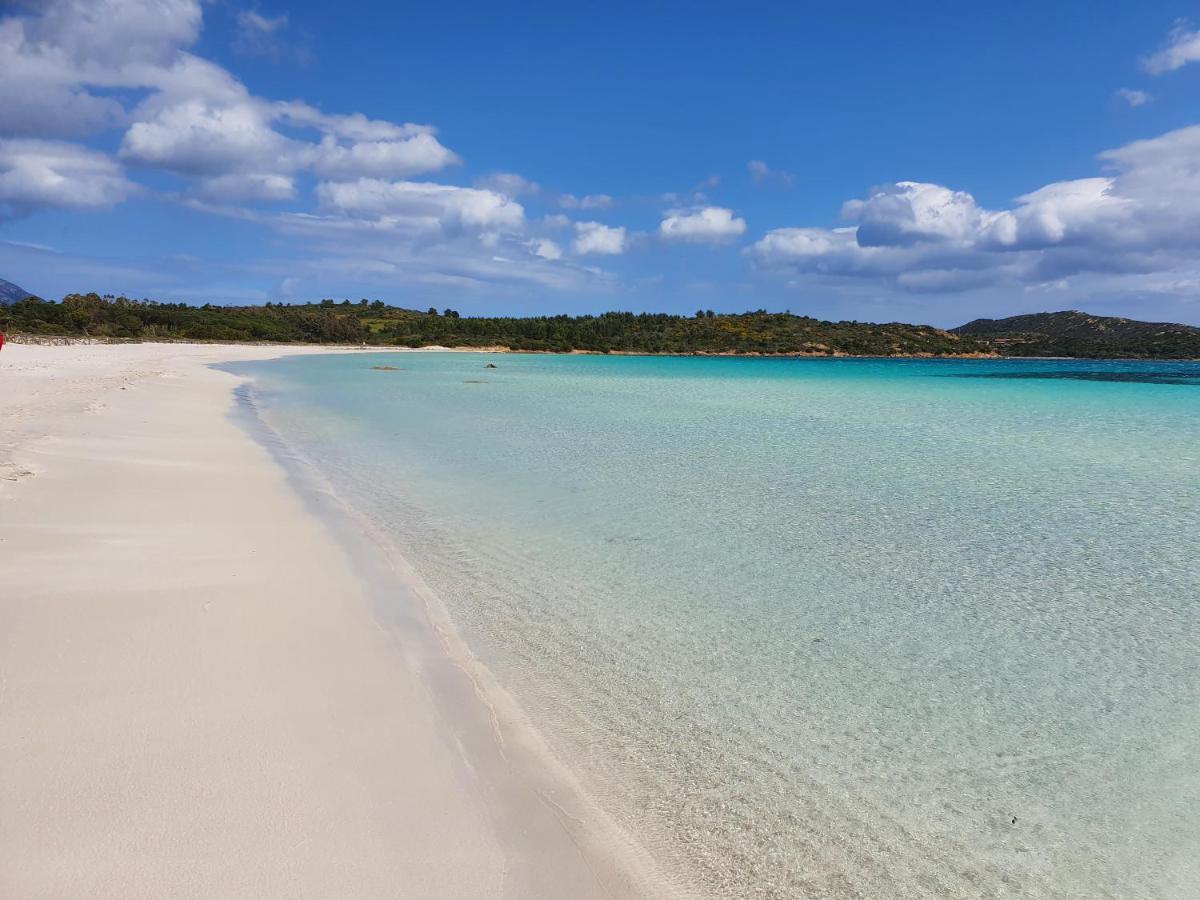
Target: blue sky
{"type": "Point", "coordinates": [932, 163]}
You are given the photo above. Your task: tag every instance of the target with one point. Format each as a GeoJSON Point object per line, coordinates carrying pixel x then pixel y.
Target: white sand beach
{"type": "Point", "coordinates": [196, 698]}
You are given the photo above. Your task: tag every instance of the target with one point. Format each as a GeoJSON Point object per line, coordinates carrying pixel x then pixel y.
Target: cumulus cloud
{"type": "Point", "coordinates": [761, 173]}
{"type": "Point", "coordinates": [36, 174]}
{"type": "Point", "coordinates": [71, 68]}
{"type": "Point", "coordinates": [354, 127]}
{"type": "Point", "coordinates": [45, 110]}
{"type": "Point", "coordinates": [382, 159]}
{"type": "Point", "coordinates": [593, 237]}
{"type": "Point", "coordinates": [546, 249]}
{"type": "Point", "coordinates": [422, 206]}
{"type": "Point", "coordinates": [60, 64]}
{"type": "Point", "coordinates": [127, 68]}
{"type": "Point", "coordinates": [1182, 47]}
{"type": "Point", "coordinates": [237, 132]}
{"type": "Point", "coordinates": [196, 137]}
{"type": "Point", "coordinates": [113, 34]}
{"type": "Point", "coordinates": [1133, 97]}
{"type": "Point", "coordinates": [1144, 216]}
{"type": "Point", "coordinates": [910, 213]}
{"type": "Point", "coordinates": [51, 60]}
{"type": "Point", "coordinates": [248, 186]}
{"type": "Point", "coordinates": [708, 224]}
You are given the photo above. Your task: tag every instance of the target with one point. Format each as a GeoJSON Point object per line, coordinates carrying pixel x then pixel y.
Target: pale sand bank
{"type": "Point", "coordinates": [196, 696]}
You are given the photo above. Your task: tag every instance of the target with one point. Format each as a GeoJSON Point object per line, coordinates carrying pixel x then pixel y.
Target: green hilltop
{"type": "Point", "coordinates": [1075, 333]}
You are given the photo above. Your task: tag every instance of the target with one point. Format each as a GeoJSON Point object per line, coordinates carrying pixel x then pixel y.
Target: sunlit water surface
{"type": "Point", "coordinates": [827, 628]}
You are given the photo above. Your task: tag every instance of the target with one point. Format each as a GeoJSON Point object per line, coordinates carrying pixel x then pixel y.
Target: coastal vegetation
{"type": "Point", "coordinates": [375, 323]}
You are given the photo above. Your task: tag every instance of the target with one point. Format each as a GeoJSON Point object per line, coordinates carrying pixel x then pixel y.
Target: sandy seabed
{"type": "Point", "coordinates": [197, 696]}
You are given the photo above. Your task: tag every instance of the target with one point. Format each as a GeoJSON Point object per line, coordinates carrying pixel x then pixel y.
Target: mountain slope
{"type": "Point", "coordinates": [1075, 333]}
{"type": "Point", "coordinates": [10, 293]}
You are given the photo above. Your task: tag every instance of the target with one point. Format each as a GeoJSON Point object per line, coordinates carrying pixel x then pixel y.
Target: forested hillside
{"type": "Point", "coordinates": [376, 323]}
{"type": "Point", "coordinates": [1069, 333]}
{"type": "Point", "coordinates": [1075, 333]}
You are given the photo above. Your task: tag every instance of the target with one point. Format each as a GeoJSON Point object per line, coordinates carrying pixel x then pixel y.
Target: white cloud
{"type": "Point", "coordinates": [197, 137]}
{"type": "Point", "coordinates": [910, 212]}
{"type": "Point", "coordinates": [51, 60]}
{"type": "Point", "coordinates": [1182, 47]}
{"type": "Point", "coordinates": [36, 174]}
{"type": "Point", "coordinates": [248, 186]}
{"type": "Point", "coordinates": [1133, 97]}
{"type": "Point", "coordinates": [126, 69]}
{"type": "Point", "coordinates": [547, 249]}
{"type": "Point", "coordinates": [509, 184]}
{"type": "Point", "coordinates": [422, 206]}
{"type": "Point", "coordinates": [590, 201]}
{"type": "Point", "coordinates": [262, 35]}
{"type": "Point", "coordinates": [355, 126]}
{"type": "Point", "coordinates": [761, 173]}
{"type": "Point", "coordinates": [593, 237]}
{"type": "Point", "coordinates": [382, 159]}
{"type": "Point", "coordinates": [249, 20]}
{"type": "Point", "coordinates": [114, 33]}
{"type": "Point", "coordinates": [196, 120]}
{"type": "Point", "coordinates": [253, 29]}
{"type": "Point", "coordinates": [38, 95]}
{"type": "Point", "coordinates": [709, 224]}
{"type": "Point", "coordinates": [1145, 217]}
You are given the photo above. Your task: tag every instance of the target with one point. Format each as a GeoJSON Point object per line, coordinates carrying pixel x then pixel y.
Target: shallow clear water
{"type": "Point", "coordinates": [816, 627]}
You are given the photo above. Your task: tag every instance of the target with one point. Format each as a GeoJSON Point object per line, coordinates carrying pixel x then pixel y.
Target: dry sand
{"type": "Point", "coordinates": [197, 698]}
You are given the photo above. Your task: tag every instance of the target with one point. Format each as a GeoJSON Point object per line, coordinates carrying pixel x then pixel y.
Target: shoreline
{"type": "Point", "coordinates": [527, 779]}
{"type": "Point", "coordinates": [51, 340]}
{"type": "Point", "coordinates": [214, 685]}
{"type": "Point", "coordinates": [66, 340]}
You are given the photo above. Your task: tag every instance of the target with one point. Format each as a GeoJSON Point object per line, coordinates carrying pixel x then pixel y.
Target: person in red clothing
{"type": "Point", "coordinates": [1, 340]}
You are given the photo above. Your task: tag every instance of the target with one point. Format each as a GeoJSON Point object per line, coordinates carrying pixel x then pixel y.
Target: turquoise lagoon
{"type": "Point", "coordinates": [828, 628]}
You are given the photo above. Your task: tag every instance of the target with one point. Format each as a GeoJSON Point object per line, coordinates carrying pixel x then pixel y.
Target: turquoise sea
{"type": "Point", "coordinates": [827, 628]}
